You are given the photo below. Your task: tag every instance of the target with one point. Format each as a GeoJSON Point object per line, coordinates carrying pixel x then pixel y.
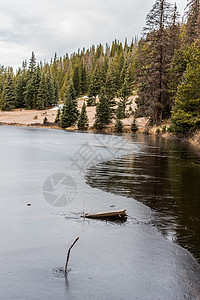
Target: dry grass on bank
{"type": "Point", "coordinates": [23, 117]}
{"type": "Point", "coordinates": [35, 118]}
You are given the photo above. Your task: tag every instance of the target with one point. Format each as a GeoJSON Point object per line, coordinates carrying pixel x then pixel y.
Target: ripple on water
{"type": "Point", "coordinates": [60, 272]}
{"type": "Point", "coordinates": [165, 180]}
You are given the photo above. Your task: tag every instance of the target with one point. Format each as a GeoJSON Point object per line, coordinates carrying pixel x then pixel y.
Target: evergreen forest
{"type": "Point", "coordinates": [162, 68]}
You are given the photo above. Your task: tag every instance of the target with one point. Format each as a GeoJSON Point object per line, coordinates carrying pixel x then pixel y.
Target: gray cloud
{"type": "Point", "coordinates": [62, 26]}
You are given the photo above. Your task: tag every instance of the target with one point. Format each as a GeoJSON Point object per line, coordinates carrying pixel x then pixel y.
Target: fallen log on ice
{"type": "Point", "coordinates": [119, 214]}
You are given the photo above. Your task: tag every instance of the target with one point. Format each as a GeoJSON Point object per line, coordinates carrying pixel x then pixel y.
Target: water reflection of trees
{"type": "Point", "coordinates": [165, 175]}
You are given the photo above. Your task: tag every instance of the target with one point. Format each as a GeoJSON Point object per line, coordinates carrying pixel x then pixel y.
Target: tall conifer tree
{"type": "Point", "coordinates": [153, 63]}
{"type": "Point", "coordinates": [193, 20]}
{"type": "Point", "coordinates": [70, 112]}
{"type": "Point", "coordinates": [20, 90]}
{"type": "Point", "coordinates": [83, 118]}
{"type": "Point", "coordinates": [103, 111]}
{"type": "Point", "coordinates": [186, 111]}
{"type": "Point", "coordinates": [9, 97]}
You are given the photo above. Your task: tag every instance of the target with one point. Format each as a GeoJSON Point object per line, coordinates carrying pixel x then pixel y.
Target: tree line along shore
{"type": "Point", "coordinates": [156, 78]}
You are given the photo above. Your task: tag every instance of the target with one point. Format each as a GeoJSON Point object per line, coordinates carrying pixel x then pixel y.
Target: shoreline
{"type": "Point", "coordinates": [194, 141]}
{"type": "Point", "coordinates": [34, 118]}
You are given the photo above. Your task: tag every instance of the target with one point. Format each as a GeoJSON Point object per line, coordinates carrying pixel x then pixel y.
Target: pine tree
{"type": "Point", "coordinates": [124, 71]}
{"type": "Point", "coordinates": [83, 80]}
{"type": "Point", "coordinates": [56, 91]}
{"type": "Point", "coordinates": [70, 112]}
{"type": "Point", "coordinates": [2, 83]}
{"type": "Point", "coordinates": [153, 63]}
{"type": "Point", "coordinates": [36, 81]}
{"type": "Point", "coordinates": [130, 77]}
{"type": "Point", "coordinates": [9, 97]}
{"type": "Point", "coordinates": [33, 80]}
{"type": "Point", "coordinates": [71, 90]}
{"type": "Point", "coordinates": [113, 80]}
{"type": "Point", "coordinates": [120, 111]}
{"type": "Point", "coordinates": [134, 126]}
{"type": "Point", "coordinates": [96, 83]}
{"type": "Point", "coordinates": [176, 72]}
{"type": "Point", "coordinates": [57, 119]}
{"type": "Point", "coordinates": [83, 119]}
{"type": "Point", "coordinates": [103, 111]}
{"type": "Point", "coordinates": [46, 92]}
{"type": "Point", "coordinates": [111, 88]}
{"type": "Point", "coordinates": [193, 20]}
{"type": "Point", "coordinates": [119, 126]}
{"type": "Point", "coordinates": [174, 30]}
{"type": "Point", "coordinates": [29, 94]}
{"type": "Point", "coordinates": [50, 93]}
{"type": "Point", "coordinates": [124, 101]}
{"type": "Point", "coordinates": [186, 112]}
{"type": "Point", "coordinates": [32, 63]}
{"type": "Point", "coordinates": [99, 52]}
{"type": "Point", "coordinates": [20, 90]}
{"type": "Point", "coordinates": [77, 80]}
{"type": "Point", "coordinates": [41, 97]}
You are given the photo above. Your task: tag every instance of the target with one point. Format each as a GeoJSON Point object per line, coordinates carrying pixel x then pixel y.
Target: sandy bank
{"type": "Point", "coordinates": [21, 117]}
{"type": "Point", "coordinates": [34, 118]}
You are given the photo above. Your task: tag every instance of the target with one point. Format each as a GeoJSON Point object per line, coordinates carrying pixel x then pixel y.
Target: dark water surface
{"type": "Point", "coordinates": [164, 175]}
{"type": "Point", "coordinates": [130, 260]}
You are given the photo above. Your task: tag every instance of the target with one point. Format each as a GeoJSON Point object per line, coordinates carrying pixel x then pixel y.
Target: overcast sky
{"type": "Point", "coordinates": [49, 26]}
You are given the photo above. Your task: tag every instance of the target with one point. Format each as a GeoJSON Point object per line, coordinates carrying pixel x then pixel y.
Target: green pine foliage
{"type": "Point", "coordinates": [39, 85]}
{"type": "Point", "coordinates": [77, 80]}
{"type": "Point", "coordinates": [134, 127]}
{"type": "Point", "coordinates": [71, 90]}
{"type": "Point", "coordinates": [91, 101]}
{"type": "Point", "coordinates": [57, 119]}
{"type": "Point", "coordinates": [96, 81]}
{"type": "Point", "coordinates": [103, 111]}
{"type": "Point", "coordinates": [42, 93]}
{"type": "Point", "coordinates": [70, 112]}
{"type": "Point", "coordinates": [162, 67]}
{"type": "Point", "coordinates": [83, 119]}
{"type": "Point", "coordinates": [9, 96]}
{"type": "Point", "coordinates": [20, 90]}
{"type": "Point", "coordinates": [186, 111]}
{"type": "Point", "coordinates": [176, 71]}
{"type": "Point", "coordinates": [32, 64]}
{"type": "Point", "coordinates": [124, 101]}
{"type": "Point", "coordinates": [46, 92]}
{"type": "Point", "coordinates": [118, 126]}
{"type": "Point", "coordinates": [120, 111]}
{"type": "Point", "coordinates": [83, 79]}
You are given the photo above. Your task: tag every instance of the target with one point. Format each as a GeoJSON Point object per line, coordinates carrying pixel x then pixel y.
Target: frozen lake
{"type": "Point", "coordinates": [49, 177]}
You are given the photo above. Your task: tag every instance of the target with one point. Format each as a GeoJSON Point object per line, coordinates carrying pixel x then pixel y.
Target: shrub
{"type": "Point", "coordinates": [45, 120]}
